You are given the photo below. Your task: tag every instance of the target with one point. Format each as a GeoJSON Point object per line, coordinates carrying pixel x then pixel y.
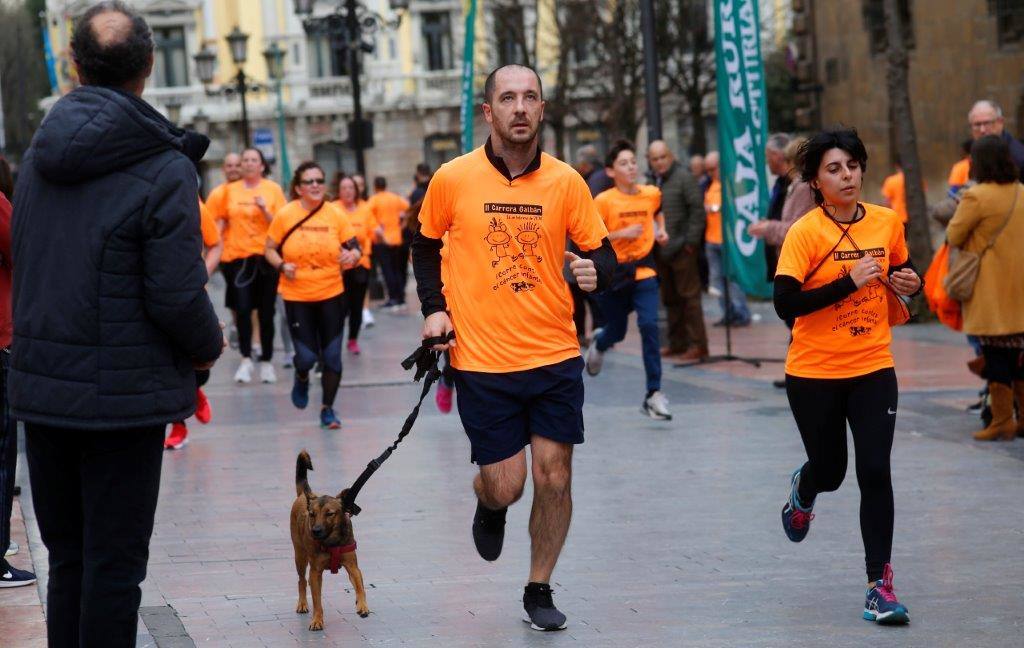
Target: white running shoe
{"type": "Point", "coordinates": [244, 373]}
{"type": "Point", "coordinates": [267, 374]}
{"type": "Point", "coordinates": [656, 406]}
{"type": "Point", "coordinates": [368, 320]}
{"type": "Point", "coordinates": [594, 359]}
{"type": "Point", "coordinates": [12, 549]}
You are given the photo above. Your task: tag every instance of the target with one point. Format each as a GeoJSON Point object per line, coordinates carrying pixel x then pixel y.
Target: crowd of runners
{"type": "Point", "coordinates": [510, 248]}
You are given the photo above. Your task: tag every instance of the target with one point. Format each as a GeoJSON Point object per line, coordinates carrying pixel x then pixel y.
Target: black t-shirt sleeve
{"type": "Point", "coordinates": [426, 267]}
{"type": "Point", "coordinates": [604, 262]}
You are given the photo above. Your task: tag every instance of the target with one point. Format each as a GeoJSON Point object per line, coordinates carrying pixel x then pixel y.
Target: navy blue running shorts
{"type": "Point", "coordinates": [501, 411]}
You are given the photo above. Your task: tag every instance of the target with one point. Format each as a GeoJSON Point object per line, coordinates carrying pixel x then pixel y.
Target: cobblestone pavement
{"type": "Point", "coordinates": [675, 541]}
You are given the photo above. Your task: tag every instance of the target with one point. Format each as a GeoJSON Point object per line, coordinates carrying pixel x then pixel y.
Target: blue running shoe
{"type": "Point", "coordinates": [328, 419]}
{"type": "Point", "coordinates": [300, 392]}
{"type": "Point", "coordinates": [796, 520]}
{"type": "Point", "coordinates": [881, 605]}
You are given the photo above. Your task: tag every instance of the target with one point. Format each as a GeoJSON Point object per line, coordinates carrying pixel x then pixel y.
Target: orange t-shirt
{"type": "Point", "coordinates": [246, 231]}
{"type": "Point", "coordinates": [619, 210]}
{"type": "Point", "coordinates": [713, 209]}
{"type": "Point", "coordinates": [509, 302]}
{"type": "Point", "coordinates": [895, 191]}
{"type": "Point", "coordinates": [208, 226]}
{"type": "Point", "coordinates": [387, 208]}
{"type": "Point", "coordinates": [363, 223]}
{"type": "Point", "coordinates": [960, 173]}
{"type": "Point", "coordinates": [314, 249]}
{"type": "Point", "coordinates": [850, 338]}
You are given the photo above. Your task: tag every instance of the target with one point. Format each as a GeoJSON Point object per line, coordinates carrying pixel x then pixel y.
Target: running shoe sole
{"type": "Point", "coordinates": [896, 617]}
{"type": "Point", "coordinates": [537, 627]}
{"type": "Point", "coordinates": [654, 415]}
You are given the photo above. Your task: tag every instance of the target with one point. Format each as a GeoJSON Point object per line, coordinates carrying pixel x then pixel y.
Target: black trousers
{"type": "Point", "coordinates": [356, 281]}
{"type": "Point", "coordinates": [8, 459]}
{"type": "Point", "coordinates": [255, 284]}
{"type": "Point", "coordinates": [822, 408]}
{"type": "Point", "coordinates": [1003, 365]}
{"type": "Point", "coordinates": [95, 497]}
{"type": "Point", "coordinates": [394, 262]}
{"type": "Point", "coordinates": [316, 335]}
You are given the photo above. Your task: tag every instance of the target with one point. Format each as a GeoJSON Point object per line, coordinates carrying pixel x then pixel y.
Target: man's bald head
{"type": "Point", "coordinates": [660, 157]}
{"type": "Point", "coordinates": [492, 79]}
{"type": "Point", "coordinates": [112, 46]}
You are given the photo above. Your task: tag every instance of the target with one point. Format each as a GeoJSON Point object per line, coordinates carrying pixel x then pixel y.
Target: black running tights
{"type": "Point", "coordinates": [822, 407]}
{"type": "Point", "coordinates": [316, 334]}
{"type": "Point", "coordinates": [356, 281]}
{"type": "Point", "coordinates": [255, 290]}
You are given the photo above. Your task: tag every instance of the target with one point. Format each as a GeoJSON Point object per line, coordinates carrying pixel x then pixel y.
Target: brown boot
{"type": "Point", "coordinates": [1002, 427]}
{"type": "Point", "coordinates": [1018, 392]}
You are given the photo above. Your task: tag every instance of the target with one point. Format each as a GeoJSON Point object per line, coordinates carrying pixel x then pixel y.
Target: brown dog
{"type": "Point", "coordinates": [323, 539]}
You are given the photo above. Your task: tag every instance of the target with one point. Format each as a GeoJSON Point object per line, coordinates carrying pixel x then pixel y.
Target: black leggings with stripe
{"type": "Point", "coordinates": [822, 408]}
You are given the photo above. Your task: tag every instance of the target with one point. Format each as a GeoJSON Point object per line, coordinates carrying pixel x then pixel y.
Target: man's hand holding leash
{"type": "Point", "coordinates": [584, 272]}
{"type": "Point", "coordinates": [439, 325]}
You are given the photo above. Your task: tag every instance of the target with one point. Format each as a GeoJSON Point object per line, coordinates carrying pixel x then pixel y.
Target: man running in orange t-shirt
{"type": "Point", "coordinates": [388, 210]}
{"type": "Point", "coordinates": [507, 209]}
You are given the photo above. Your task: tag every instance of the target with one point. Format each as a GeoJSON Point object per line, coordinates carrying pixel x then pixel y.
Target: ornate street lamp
{"type": "Point", "coordinates": [206, 61]}
{"type": "Point", "coordinates": [206, 64]}
{"type": "Point", "coordinates": [344, 28]}
{"type": "Point", "coordinates": [238, 42]}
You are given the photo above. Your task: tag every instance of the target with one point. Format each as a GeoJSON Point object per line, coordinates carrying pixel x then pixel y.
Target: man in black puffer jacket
{"type": "Point", "coordinates": [110, 320]}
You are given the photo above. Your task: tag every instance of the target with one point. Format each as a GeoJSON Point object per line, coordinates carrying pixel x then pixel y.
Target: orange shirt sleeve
{"type": "Point", "coordinates": [277, 227]}
{"type": "Point", "coordinates": [436, 213]}
{"type": "Point", "coordinates": [208, 226]}
{"type": "Point", "coordinates": [586, 225]}
{"type": "Point", "coordinates": [795, 257]}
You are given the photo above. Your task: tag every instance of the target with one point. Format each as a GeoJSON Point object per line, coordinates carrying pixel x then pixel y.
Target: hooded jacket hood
{"type": "Point", "coordinates": [94, 131]}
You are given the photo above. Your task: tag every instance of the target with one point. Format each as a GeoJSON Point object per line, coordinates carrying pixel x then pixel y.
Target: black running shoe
{"type": "Point", "coordinates": [489, 531]}
{"type": "Point", "coordinates": [540, 608]}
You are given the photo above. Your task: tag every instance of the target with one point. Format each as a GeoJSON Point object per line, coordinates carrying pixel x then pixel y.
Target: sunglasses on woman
{"type": "Point", "coordinates": [312, 181]}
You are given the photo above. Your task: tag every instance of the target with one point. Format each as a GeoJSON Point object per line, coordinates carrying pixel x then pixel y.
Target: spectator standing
{"type": "Point", "coordinates": [797, 201]}
{"type": "Point", "coordinates": [990, 221]}
{"type": "Point", "coordinates": [734, 310]}
{"type": "Point", "coordinates": [111, 318]}
{"type": "Point", "coordinates": [682, 204]}
{"type": "Point", "coordinates": [420, 179]}
{"type": "Point", "coordinates": [986, 118]}
{"type": "Point", "coordinates": [699, 172]}
{"type": "Point", "coordinates": [9, 576]}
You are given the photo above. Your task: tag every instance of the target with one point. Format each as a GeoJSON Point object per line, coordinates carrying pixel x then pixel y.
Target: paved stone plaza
{"type": "Point", "coordinates": [676, 539]}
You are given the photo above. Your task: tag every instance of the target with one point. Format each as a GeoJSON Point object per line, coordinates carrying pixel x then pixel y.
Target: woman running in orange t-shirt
{"type": "Point", "coordinates": [841, 268]}
{"type": "Point", "coordinates": [357, 278]}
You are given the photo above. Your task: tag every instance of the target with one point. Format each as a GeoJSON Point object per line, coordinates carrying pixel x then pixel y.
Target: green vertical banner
{"type": "Point", "coordinates": [469, 9]}
{"type": "Point", "coordinates": [742, 133]}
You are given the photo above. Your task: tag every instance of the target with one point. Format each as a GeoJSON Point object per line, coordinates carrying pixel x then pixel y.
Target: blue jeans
{"type": "Point", "coordinates": [641, 296]}
{"type": "Point", "coordinates": [738, 311]}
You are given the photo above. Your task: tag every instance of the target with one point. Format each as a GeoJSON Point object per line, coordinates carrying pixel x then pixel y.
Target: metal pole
{"type": "Point", "coordinates": [354, 41]}
{"type": "Point", "coordinates": [242, 89]}
{"type": "Point", "coordinates": [652, 98]}
{"type": "Point", "coordinates": [286, 168]}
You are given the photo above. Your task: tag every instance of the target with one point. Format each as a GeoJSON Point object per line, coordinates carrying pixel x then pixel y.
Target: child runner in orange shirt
{"type": "Point", "coordinates": [839, 267]}
{"type": "Point", "coordinates": [631, 212]}
{"type": "Point", "coordinates": [310, 243]}
{"type": "Point", "coordinates": [212, 248]}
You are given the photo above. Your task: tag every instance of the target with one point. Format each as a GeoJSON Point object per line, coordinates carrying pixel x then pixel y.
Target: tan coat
{"type": "Point", "coordinates": [997, 305]}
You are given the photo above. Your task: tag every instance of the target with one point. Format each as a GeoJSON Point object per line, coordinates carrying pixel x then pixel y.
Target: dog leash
{"type": "Point", "coordinates": [426, 361]}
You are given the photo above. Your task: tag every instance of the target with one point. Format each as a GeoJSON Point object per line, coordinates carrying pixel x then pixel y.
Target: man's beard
{"type": "Point", "coordinates": [511, 140]}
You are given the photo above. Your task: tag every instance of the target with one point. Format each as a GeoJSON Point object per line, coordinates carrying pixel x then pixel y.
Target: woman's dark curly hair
{"type": "Point", "coordinates": [116, 63]}
{"type": "Point", "coordinates": [991, 161]}
{"type": "Point", "coordinates": [293, 190]}
{"type": "Point", "coordinates": [808, 158]}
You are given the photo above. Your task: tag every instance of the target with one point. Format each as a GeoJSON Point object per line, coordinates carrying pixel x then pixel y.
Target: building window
{"type": "Point", "coordinates": [325, 60]}
{"type": "Point", "coordinates": [170, 61]}
{"type": "Point", "coordinates": [874, 23]}
{"type": "Point", "coordinates": [436, 28]}
{"type": "Point", "coordinates": [509, 35]}
{"type": "Point", "coordinates": [1009, 16]}
{"type": "Point", "coordinates": [438, 149]}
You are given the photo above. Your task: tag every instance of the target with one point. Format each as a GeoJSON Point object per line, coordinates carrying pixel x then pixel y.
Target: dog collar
{"type": "Point", "coordinates": [336, 554]}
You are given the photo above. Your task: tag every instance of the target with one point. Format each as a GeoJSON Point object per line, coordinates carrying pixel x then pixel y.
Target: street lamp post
{"type": "Point", "coordinates": [275, 67]}
{"type": "Point", "coordinates": [346, 31]}
{"type": "Point", "coordinates": [652, 94]}
{"type": "Point", "coordinates": [238, 43]}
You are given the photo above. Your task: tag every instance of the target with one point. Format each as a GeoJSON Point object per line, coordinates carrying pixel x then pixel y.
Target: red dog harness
{"type": "Point", "coordinates": [336, 553]}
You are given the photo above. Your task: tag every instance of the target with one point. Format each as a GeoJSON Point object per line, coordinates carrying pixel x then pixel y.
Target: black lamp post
{"type": "Point", "coordinates": [345, 30]}
{"type": "Point", "coordinates": [238, 43]}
